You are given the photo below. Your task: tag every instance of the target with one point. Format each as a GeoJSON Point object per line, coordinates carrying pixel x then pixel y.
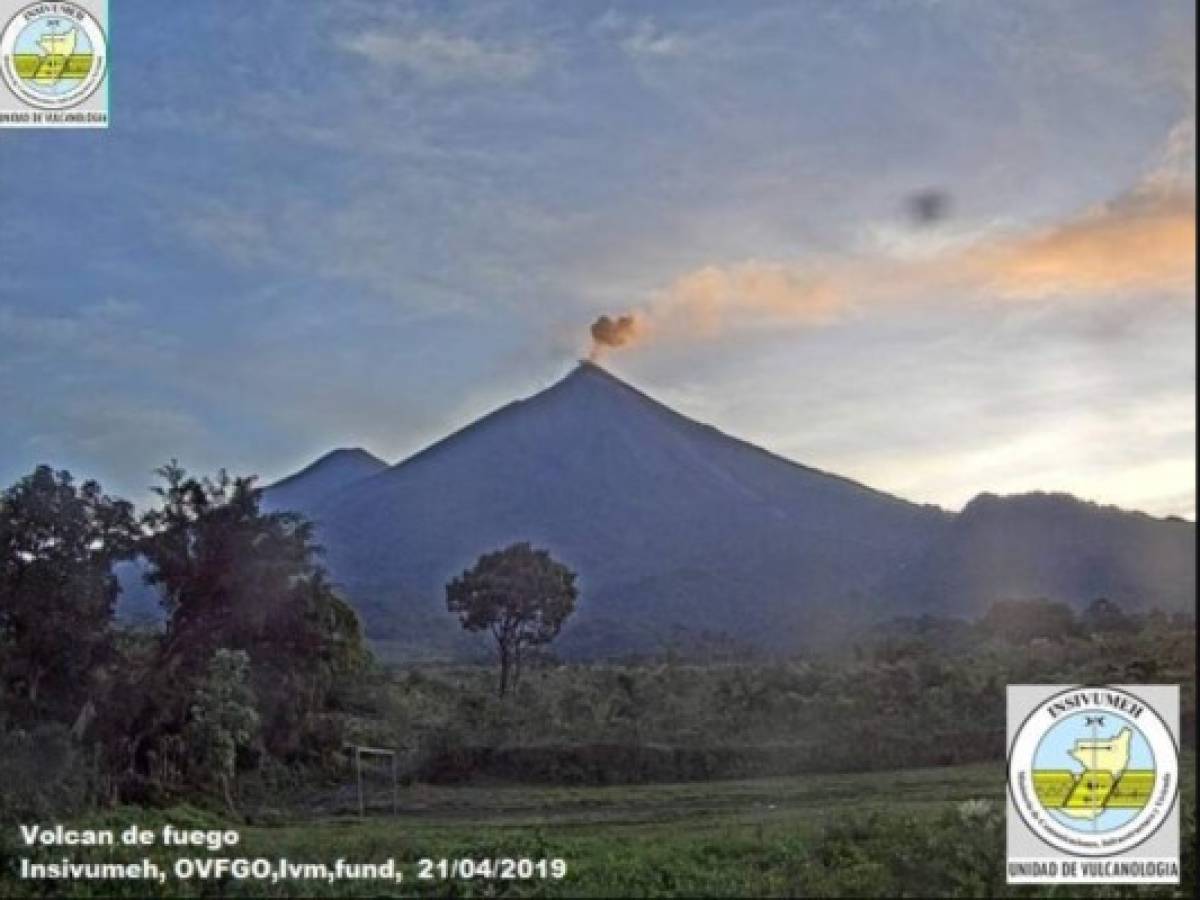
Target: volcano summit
{"type": "Point", "coordinates": [674, 528]}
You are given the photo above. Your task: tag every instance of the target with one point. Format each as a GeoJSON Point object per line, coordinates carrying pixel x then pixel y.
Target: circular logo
{"type": "Point", "coordinates": [53, 55]}
{"type": "Point", "coordinates": [1093, 771]}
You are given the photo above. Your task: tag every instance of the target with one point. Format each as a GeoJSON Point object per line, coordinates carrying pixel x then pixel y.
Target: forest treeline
{"type": "Point", "coordinates": [254, 643]}
{"type": "Point", "coordinates": [260, 676]}
{"type": "Point", "coordinates": [905, 693]}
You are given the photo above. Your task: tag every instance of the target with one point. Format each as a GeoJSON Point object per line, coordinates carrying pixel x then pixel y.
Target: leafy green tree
{"type": "Point", "coordinates": [235, 577]}
{"type": "Point", "coordinates": [223, 720]}
{"type": "Point", "coordinates": [522, 596]}
{"type": "Point", "coordinates": [58, 542]}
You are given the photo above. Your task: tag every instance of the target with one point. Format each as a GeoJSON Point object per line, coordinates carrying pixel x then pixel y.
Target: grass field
{"type": "Point", "coordinates": [810, 798]}
{"type": "Point", "coordinates": [925, 831]}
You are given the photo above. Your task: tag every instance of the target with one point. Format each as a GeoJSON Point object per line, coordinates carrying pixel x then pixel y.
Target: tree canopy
{"type": "Point", "coordinates": [237, 582]}
{"type": "Point", "coordinates": [521, 595]}
{"type": "Point", "coordinates": [58, 542]}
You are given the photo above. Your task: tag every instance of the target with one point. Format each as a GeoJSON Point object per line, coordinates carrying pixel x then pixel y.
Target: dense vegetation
{"type": "Point", "coordinates": [241, 677]}
{"type": "Point", "coordinates": [907, 693]}
{"type": "Point", "coordinates": [240, 707]}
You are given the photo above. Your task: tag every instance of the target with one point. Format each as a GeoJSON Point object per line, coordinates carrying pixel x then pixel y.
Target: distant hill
{"type": "Point", "coordinates": [683, 535]}
{"type": "Point", "coordinates": [1054, 546]}
{"type": "Point", "coordinates": [312, 484]}
{"type": "Point", "coordinates": [139, 603]}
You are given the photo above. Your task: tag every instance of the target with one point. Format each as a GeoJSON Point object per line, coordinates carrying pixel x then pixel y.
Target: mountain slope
{"type": "Point", "coordinates": [1054, 546]}
{"type": "Point", "coordinates": [333, 471]}
{"type": "Point", "coordinates": [679, 532]}
{"type": "Point", "coordinates": [672, 526]}
{"type": "Point", "coordinates": [140, 604]}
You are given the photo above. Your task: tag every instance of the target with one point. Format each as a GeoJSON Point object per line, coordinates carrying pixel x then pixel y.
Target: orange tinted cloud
{"type": "Point", "coordinates": [1141, 243]}
{"type": "Point", "coordinates": [707, 301]}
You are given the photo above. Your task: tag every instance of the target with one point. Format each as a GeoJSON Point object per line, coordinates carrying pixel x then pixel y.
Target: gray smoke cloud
{"type": "Point", "coordinates": [608, 332]}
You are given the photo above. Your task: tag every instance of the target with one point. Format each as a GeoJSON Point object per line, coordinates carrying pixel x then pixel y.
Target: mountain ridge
{"type": "Point", "coordinates": [329, 472]}
{"type": "Point", "coordinates": [589, 368]}
{"type": "Point", "coordinates": [656, 511]}
{"type": "Point", "coordinates": [678, 530]}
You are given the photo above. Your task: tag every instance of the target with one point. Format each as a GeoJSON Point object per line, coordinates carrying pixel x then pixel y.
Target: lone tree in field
{"type": "Point", "coordinates": [519, 594]}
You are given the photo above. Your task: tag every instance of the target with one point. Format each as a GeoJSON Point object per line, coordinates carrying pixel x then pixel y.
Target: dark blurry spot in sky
{"type": "Point", "coordinates": [927, 206]}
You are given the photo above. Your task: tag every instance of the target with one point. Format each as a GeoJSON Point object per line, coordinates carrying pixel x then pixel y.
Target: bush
{"type": "Point", "coordinates": [45, 774]}
{"type": "Point", "coordinates": [957, 854]}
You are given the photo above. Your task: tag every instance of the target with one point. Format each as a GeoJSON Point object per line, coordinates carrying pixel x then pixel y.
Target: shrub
{"type": "Point", "coordinates": [45, 774]}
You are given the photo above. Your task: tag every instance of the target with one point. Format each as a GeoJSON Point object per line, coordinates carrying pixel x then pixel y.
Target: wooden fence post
{"type": "Point", "coordinates": [362, 811]}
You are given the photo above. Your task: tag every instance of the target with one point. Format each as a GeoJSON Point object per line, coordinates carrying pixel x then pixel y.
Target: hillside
{"type": "Point", "coordinates": [683, 535]}
{"type": "Point", "coordinates": [312, 484]}
{"type": "Point", "coordinates": [675, 528]}
{"type": "Point", "coordinates": [1054, 546]}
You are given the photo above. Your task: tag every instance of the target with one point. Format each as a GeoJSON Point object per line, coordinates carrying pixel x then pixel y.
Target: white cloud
{"type": "Point", "coordinates": [1175, 166]}
{"type": "Point", "coordinates": [647, 40]}
{"type": "Point", "coordinates": [436, 56]}
{"type": "Point", "coordinates": [105, 332]}
{"type": "Point", "coordinates": [237, 233]}
{"type": "Point", "coordinates": [641, 38]}
{"type": "Point", "coordinates": [113, 436]}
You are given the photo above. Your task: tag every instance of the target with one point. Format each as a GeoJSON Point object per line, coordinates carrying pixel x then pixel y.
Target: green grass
{"type": "Point", "coordinates": [866, 834]}
{"type": "Point", "coordinates": [794, 798]}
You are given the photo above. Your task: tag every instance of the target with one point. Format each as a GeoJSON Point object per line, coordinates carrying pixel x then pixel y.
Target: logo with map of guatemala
{"type": "Point", "coordinates": [1093, 771]}
{"type": "Point", "coordinates": [53, 56]}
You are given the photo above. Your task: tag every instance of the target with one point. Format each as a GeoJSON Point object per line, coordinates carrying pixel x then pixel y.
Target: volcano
{"type": "Point", "coordinates": [677, 531]}
{"type": "Point", "coordinates": [334, 471]}
{"type": "Point", "coordinates": [683, 536]}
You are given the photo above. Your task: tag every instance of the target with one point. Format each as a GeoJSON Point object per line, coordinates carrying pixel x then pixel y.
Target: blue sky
{"type": "Point", "coordinates": [362, 223]}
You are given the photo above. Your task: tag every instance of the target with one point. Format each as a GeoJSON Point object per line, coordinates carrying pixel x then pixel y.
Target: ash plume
{"type": "Point", "coordinates": [609, 332]}
{"type": "Point", "coordinates": [1141, 241]}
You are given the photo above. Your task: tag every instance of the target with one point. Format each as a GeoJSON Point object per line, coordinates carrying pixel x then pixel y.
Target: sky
{"type": "Point", "coordinates": [938, 247]}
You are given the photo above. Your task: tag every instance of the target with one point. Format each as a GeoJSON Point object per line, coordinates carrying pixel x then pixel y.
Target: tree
{"type": "Point", "coordinates": [519, 594]}
{"type": "Point", "coordinates": [223, 719]}
{"type": "Point", "coordinates": [237, 578]}
{"type": "Point", "coordinates": [58, 542]}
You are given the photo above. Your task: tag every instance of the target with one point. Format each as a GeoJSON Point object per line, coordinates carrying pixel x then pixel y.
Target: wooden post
{"type": "Point", "coordinates": [362, 812]}
{"type": "Point", "coordinates": [395, 787]}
